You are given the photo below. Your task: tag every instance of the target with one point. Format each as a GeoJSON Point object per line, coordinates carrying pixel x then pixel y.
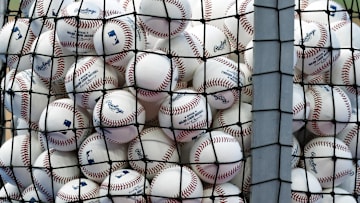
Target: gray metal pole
{"type": "Point", "coordinates": [272, 101]}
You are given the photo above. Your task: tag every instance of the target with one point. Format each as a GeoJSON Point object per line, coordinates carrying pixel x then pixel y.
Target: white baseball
{"type": "Point", "coordinates": [78, 189]}
{"type": "Point", "coordinates": [64, 125]}
{"type": "Point", "coordinates": [24, 127]}
{"type": "Point", "coordinates": [53, 169]}
{"type": "Point", "coordinates": [352, 183]}
{"type": "Point", "coordinates": [219, 147]}
{"type": "Point", "coordinates": [6, 86]}
{"type": "Point", "coordinates": [210, 12]}
{"type": "Point", "coordinates": [184, 183]}
{"type": "Point", "coordinates": [240, 31]}
{"type": "Point", "coordinates": [87, 77]}
{"type": "Point", "coordinates": [338, 195]}
{"type": "Point", "coordinates": [312, 42]}
{"type": "Point", "coordinates": [43, 14]}
{"type": "Point", "coordinates": [116, 40]}
{"type": "Point", "coordinates": [304, 182]}
{"type": "Point", "coordinates": [78, 22]}
{"type": "Point", "coordinates": [184, 115]}
{"type": "Point", "coordinates": [246, 93]}
{"type": "Point", "coordinates": [236, 121]}
{"type": "Point", "coordinates": [219, 78]}
{"type": "Point", "coordinates": [150, 76]}
{"type": "Point", "coordinates": [29, 95]}
{"type": "Point", "coordinates": [17, 155]}
{"type": "Point", "coordinates": [95, 153]}
{"type": "Point", "coordinates": [10, 193]}
{"type": "Point", "coordinates": [225, 192]}
{"type": "Point", "coordinates": [49, 60]}
{"type": "Point", "coordinates": [243, 178]}
{"type": "Point", "coordinates": [350, 135]}
{"type": "Point", "coordinates": [155, 148]}
{"type": "Point", "coordinates": [300, 107]}
{"type": "Point", "coordinates": [319, 153]}
{"type": "Point", "coordinates": [32, 194]}
{"type": "Point", "coordinates": [17, 39]}
{"type": "Point", "coordinates": [25, 6]}
{"type": "Point", "coordinates": [344, 72]}
{"type": "Point", "coordinates": [296, 152]}
{"type": "Point", "coordinates": [154, 16]}
{"type": "Point", "coordinates": [110, 8]}
{"type": "Point", "coordinates": [213, 39]}
{"type": "Point", "coordinates": [346, 32]}
{"type": "Point", "coordinates": [325, 12]}
{"type": "Point", "coordinates": [119, 116]}
{"type": "Point", "coordinates": [126, 182]}
{"type": "Point", "coordinates": [186, 52]}
{"type": "Point", "coordinates": [330, 110]}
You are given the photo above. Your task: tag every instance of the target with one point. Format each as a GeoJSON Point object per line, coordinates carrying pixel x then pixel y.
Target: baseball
{"type": "Point", "coordinates": [319, 153]}
{"type": "Point", "coordinates": [64, 125]}
{"type": "Point", "coordinates": [184, 115]}
{"type": "Point", "coordinates": [29, 96]}
{"type": "Point", "coordinates": [43, 13]}
{"type": "Point", "coordinates": [152, 152]}
{"type": "Point", "coordinates": [338, 195]}
{"type": "Point", "coordinates": [25, 6]}
{"type": "Point", "coordinates": [80, 189]}
{"type": "Point", "coordinates": [344, 72]}
{"type": "Point", "coordinates": [210, 12]}
{"type": "Point", "coordinates": [225, 192]}
{"type": "Point", "coordinates": [78, 22]}
{"type": "Point", "coordinates": [246, 93]}
{"type": "Point", "coordinates": [117, 39]}
{"type": "Point", "coordinates": [126, 182]}
{"type": "Point", "coordinates": [220, 148]}
{"type": "Point", "coordinates": [53, 169]}
{"type": "Point", "coordinates": [186, 52]}
{"type": "Point", "coordinates": [6, 91]}
{"type": "Point", "coordinates": [304, 182]}
{"type": "Point", "coordinates": [164, 19]}
{"type": "Point", "coordinates": [324, 12]}
{"type": "Point", "coordinates": [184, 183]}
{"type": "Point", "coordinates": [312, 42]}
{"type": "Point", "coordinates": [109, 8]}
{"type": "Point", "coordinates": [300, 107]}
{"type": "Point", "coordinates": [350, 135]}
{"type": "Point", "coordinates": [17, 155]}
{"type": "Point", "coordinates": [17, 39]}
{"type": "Point", "coordinates": [237, 122]}
{"type": "Point", "coordinates": [346, 32]}
{"type": "Point", "coordinates": [119, 116]}
{"type": "Point", "coordinates": [32, 194]}
{"type": "Point", "coordinates": [10, 193]}
{"type": "Point", "coordinates": [87, 78]}
{"type": "Point", "coordinates": [212, 38]}
{"type": "Point", "coordinates": [49, 60]}
{"type": "Point", "coordinates": [352, 183]}
{"type": "Point", "coordinates": [151, 75]}
{"type": "Point", "coordinates": [330, 110]}
{"type": "Point", "coordinates": [95, 154]}
{"type": "Point", "coordinates": [296, 152]}
{"type": "Point", "coordinates": [240, 31]}
{"type": "Point", "coordinates": [243, 178]}
{"type": "Point", "coordinates": [219, 79]}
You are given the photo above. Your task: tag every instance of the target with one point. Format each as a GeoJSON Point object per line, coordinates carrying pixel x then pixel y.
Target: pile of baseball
{"type": "Point", "coordinates": [126, 101]}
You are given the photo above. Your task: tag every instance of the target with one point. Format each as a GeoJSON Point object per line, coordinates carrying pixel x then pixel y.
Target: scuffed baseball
{"type": "Point", "coordinates": [32, 194]}
{"type": "Point", "coordinates": [184, 183]}
{"type": "Point", "coordinates": [225, 192]}
{"type": "Point", "coordinates": [95, 154]}
{"type": "Point", "coordinates": [347, 33]}
{"type": "Point", "coordinates": [119, 116]}
{"type": "Point", "coordinates": [304, 182]}
{"type": "Point", "coordinates": [10, 193]}
{"type": "Point", "coordinates": [184, 115]}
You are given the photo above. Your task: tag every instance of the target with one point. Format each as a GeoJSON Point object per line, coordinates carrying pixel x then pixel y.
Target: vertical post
{"type": "Point", "coordinates": [272, 102]}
